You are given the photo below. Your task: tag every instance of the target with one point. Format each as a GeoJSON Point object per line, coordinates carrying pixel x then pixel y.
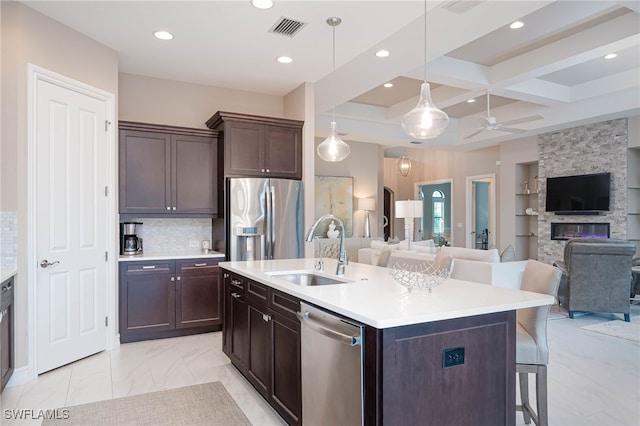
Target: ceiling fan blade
{"type": "Point", "coordinates": [523, 120]}
{"type": "Point", "coordinates": [474, 133]}
{"type": "Point", "coordinates": [510, 129]}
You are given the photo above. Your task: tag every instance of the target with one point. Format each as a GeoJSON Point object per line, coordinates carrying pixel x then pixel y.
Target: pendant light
{"type": "Point", "coordinates": [333, 149]}
{"type": "Point", "coordinates": [403, 164]}
{"type": "Point", "coordinates": [425, 121]}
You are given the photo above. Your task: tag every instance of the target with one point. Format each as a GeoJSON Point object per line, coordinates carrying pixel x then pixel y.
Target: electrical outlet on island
{"type": "Point", "coordinates": [194, 244]}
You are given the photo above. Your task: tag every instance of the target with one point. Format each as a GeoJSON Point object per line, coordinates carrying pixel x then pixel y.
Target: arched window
{"type": "Point", "coordinates": [438, 212]}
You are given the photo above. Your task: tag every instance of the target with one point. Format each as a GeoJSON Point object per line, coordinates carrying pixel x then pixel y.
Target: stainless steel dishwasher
{"type": "Point", "coordinates": [332, 354]}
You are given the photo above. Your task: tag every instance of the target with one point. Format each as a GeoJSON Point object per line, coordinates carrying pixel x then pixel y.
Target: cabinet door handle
{"type": "Point", "coordinates": [174, 208]}
{"type": "Point", "coordinates": [236, 295]}
{"type": "Point", "coordinates": [226, 275]}
{"type": "Point", "coordinates": [178, 278]}
{"type": "Point", "coordinates": [173, 279]}
{"type": "Point", "coordinates": [148, 266]}
{"type": "Point", "coordinates": [268, 171]}
{"type": "Point", "coordinates": [168, 208]}
{"type": "Point", "coordinates": [266, 317]}
{"type": "Point", "coordinates": [200, 264]}
{"type": "Point", "coordinates": [236, 282]}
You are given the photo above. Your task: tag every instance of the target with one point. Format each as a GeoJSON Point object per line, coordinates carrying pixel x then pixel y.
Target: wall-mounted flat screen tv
{"type": "Point", "coordinates": [574, 194]}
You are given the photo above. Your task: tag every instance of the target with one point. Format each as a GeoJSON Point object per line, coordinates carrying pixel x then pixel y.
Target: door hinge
{"type": "Point", "coordinates": [106, 191]}
{"type": "Point", "coordinates": [106, 321]}
{"type": "Point", "coordinates": [106, 125]}
{"type": "Point", "coordinates": [106, 256]}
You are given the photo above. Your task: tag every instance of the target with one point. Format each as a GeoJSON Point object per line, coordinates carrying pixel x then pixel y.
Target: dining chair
{"type": "Point", "coordinates": [532, 350]}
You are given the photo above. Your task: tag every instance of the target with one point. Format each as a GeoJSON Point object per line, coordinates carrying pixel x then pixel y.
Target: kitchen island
{"type": "Point", "coordinates": [446, 357]}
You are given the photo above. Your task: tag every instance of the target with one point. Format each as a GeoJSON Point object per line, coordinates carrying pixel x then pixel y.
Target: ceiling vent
{"type": "Point", "coordinates": [287, 27]}
{"type": "Point", "coordinates": [459, 6]}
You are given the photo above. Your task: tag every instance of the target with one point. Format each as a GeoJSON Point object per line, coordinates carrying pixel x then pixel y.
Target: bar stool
{"type": "Point", "coordinates": [532, 351]}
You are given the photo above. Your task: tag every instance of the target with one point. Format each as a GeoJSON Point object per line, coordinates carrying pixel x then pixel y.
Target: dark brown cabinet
{"type": "Point", "coordinates": [198, 293]}
{"type": "Point", "coordinates": [259, 146]}
{"type": "Point", "coordinates": [261, 336]}
{"type": "Point", "coordinates": [169, 298]}
{"type": "Point", "coordinates": [167, 170]}
{"type": "Point", "coordinates": [6, 332]}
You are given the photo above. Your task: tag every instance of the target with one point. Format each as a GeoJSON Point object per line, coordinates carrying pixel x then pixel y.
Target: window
{"type": "Point", "coordinates": [438, 212]}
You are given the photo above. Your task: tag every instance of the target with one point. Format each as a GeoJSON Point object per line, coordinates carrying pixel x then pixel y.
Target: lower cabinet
{"type": "Point", "coordinates": [7, 335]}
{"type": "Point", "coordinates": [261, 336]}
{"type": "Point", "coordinates": [169, 298]}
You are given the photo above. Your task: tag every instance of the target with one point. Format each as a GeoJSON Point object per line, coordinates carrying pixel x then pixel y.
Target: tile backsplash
{"type": "Point", "coordinates": [160, 236]}
{"type": "Point", "coordinates": [8, 239]}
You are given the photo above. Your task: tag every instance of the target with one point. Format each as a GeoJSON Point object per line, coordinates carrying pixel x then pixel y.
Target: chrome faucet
{"type": "Point", "coordinates": [342, 255]}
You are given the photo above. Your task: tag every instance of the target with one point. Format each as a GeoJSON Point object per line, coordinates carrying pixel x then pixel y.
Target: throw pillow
{"type": "Point", "coordinates": [508, 254]}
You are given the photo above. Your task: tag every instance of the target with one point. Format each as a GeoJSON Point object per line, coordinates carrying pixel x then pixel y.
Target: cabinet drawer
{"type": "Point", "coordinates": [197, 266]}
{"type": "Point", "coordinates": [284, 303]}
{"type": "Point", "coordinates": [237, 283]}
{"type": "Point", "coordinates": [141, 267]}
{"type": "Point", "coordinates": [258, 293]}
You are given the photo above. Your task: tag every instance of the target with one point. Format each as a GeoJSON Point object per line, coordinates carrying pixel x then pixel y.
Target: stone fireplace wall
{"type": "Point", "coordinates": [594, 148]}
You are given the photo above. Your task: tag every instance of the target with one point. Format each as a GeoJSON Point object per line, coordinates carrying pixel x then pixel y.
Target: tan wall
{"type": "Point", "coordinates": [154, 100]}
{"type": "Point", "coordinates": [364, 164]}
{"type": "Point", "coordinates": [29, 37]}
{"type": "Point", "coordinates": [431, 165]}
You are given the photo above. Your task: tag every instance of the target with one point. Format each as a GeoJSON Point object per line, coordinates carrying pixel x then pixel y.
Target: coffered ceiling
{"type": "Point", "coordinates": [552, 67]}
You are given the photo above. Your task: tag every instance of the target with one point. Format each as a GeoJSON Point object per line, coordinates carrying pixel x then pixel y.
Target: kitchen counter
{"type": "Point", "coordinates": [5, 274]}
{"type": "Point", "coordinates": [170, 256]}
{"type": "Point", "coordinates": [374, 298]}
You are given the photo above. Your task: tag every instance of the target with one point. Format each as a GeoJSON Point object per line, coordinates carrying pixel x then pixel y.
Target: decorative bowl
{"type": "Point", "coordinates": [426, 276]}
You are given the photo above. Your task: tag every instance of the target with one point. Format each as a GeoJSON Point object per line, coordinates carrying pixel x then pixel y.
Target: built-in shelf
{"type": "Point", "coordinates": [526, 225]}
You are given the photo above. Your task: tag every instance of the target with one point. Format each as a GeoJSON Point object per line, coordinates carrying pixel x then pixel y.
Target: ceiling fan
{"type": "Point", "coordinates": [491, 123]}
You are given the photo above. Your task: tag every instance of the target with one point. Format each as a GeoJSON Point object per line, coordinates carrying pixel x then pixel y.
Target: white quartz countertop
{"type": "Point", "coordinates": [5, 274]}
{"type": "Point", "coordinates": [170, 256]}
{"type": "Point", "coordinates": [374, 298]}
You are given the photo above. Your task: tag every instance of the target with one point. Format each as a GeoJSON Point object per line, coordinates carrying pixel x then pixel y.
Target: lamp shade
{"type": "Point", "coordinates": [368, 204]}
{"type": "Point", "coordinates": [409, 209]}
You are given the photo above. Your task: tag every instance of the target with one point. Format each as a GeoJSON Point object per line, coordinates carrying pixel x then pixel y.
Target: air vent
{"type": "Point", "coordinates": [459, 6]}
{"type": "Point", "coordinates": [287, 27]}
{"type": "Point", "coordinates": [417, 142]}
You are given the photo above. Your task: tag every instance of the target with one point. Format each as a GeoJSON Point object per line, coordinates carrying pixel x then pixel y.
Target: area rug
{"type": "Point", "coordinates": [206, 404]}
{"type": "Point", "coordinates": [618, 328]}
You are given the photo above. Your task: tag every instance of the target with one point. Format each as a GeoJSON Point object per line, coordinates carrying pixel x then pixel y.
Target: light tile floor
{"type": "Point", "coordinates": [594, 380]}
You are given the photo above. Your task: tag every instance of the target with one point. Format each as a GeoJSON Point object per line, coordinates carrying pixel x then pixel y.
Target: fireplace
{"type": "Point", "coordinates": [564, 231]}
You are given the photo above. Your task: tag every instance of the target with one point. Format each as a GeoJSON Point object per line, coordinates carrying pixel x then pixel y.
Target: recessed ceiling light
{"type": "Point", "coordinates": [284, 59]}
{"type": "Point", "coordinates": [262, 4]}
{"type": "Point", "coordinates": [611, 56]}
{"type": "Point", "coordinates": [382, 53]}
{"type": "Point", "coordinates": [163, 35]}
{"type": "Point", "coordinates": [387, 85]}
{"type": "Point", "coordinates": [470, 101]}
{"type": "Point", "coordinates": [515, 25]}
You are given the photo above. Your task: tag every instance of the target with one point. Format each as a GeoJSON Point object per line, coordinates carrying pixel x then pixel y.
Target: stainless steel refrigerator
{"type": "Point", "coordinates": [264, 219]}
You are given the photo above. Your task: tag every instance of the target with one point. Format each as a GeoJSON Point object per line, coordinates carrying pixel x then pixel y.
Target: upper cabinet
{"type": "Point", "coordinates": [166, 170]}
{"type": "Point", "coordinates": [259, 146]}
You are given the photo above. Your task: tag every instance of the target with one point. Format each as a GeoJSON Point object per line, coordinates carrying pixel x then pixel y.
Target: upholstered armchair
{"type": "Point", "coordinates": [596, 276]}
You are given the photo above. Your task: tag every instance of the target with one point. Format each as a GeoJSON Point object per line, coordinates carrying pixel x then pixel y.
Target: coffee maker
{"type": "Point", "coordinates": [130, 243]}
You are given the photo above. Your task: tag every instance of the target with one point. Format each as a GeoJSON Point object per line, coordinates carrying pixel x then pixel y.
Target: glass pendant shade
{"type": "Point", "coordinates": [425, 121]}
{"type": "Point", "coordinates": [333, 149]}
{"type": "Point", "coordinates": [403, 164]}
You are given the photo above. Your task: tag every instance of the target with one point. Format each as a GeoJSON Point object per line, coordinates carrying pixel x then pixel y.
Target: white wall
{"type": "Point", "coordinates": [29, 37]}
{"type": "Point", "coordinates": [175, 103]}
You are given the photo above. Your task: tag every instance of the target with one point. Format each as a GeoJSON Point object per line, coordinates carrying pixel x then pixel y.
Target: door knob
{"type": "Point", "coordinates": [45, 263]}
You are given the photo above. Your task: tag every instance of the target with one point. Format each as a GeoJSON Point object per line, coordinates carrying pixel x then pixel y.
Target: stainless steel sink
{"type": "Point", "coordinates": [307, 278]}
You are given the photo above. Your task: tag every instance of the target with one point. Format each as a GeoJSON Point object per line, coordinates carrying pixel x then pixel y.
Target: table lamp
{"type": "Point", "coordinates": [367, 204]}
{"type": "Point", "coordinates": [408, 210]}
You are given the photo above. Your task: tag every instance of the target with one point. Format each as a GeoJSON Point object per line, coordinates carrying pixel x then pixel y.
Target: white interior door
{"type": "Point", "coordinates": [71, 225]}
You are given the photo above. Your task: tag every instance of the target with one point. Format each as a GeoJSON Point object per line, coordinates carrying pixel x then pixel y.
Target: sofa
{"type": "Point", "coordinates": [482, 266]}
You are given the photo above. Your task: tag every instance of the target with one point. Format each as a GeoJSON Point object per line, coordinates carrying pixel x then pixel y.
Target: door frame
{"type": "Point", "coordinates": [491, 179]}
{"type": "Point", "coordinates": [416, 191]}
{"type": "Point", "coordinates": [35, 74]}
